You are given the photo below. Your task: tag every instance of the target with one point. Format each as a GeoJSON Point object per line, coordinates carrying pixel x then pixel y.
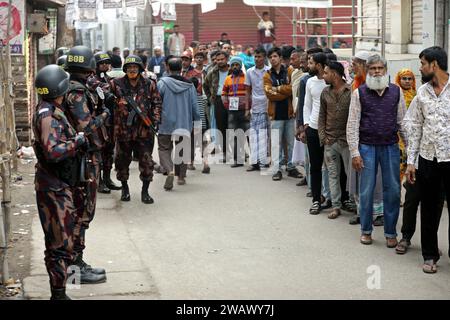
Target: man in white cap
{"type": "Point", "coordinates": [359, 68]}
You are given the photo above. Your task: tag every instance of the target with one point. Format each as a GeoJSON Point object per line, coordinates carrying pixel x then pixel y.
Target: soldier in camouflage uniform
{"type": "Point", "coordinates": [83, 114]}
{"type": "Point", "coordinates": [131, 132]}
{"type": "Point", "coordinates": [56, 181]}
{"type": "Point", "coordinates": [101, 80]}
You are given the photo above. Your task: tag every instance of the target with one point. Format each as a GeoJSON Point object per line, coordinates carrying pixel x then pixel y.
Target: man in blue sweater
{"type": "Point", "coordinates": [179, 116]}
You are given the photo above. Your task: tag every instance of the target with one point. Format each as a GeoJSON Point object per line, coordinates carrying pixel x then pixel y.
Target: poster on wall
{"type": "Point", "coordinates": [112, 4]}
{"type": "Point", "coordinates": [16, 35]}
{"type": "Point", "coordinates": [168, 11]}
{"type": "Point", "coordinates": [87, 4]}
{"type": "Point", "coordinates": [158, 37]}
{"type": "Point", "coordinates": [134, 3]}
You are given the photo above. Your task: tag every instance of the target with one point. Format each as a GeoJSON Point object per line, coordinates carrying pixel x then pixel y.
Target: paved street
{"type": "Point", "coordinates": [237, 235]}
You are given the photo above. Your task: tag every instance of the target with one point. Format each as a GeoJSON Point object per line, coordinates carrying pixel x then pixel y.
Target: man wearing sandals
{"type": "Point", "coordinates": [376, 112]}
{"type": "Point", "coordinates": [429, 142]}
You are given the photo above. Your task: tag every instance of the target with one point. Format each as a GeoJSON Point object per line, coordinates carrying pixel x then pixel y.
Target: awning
{"type": "Point", "coordinates": [291, 3]}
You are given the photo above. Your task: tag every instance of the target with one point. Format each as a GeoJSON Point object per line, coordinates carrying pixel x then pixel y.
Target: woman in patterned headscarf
{"type": "Point", "coordinates": [406, 80]}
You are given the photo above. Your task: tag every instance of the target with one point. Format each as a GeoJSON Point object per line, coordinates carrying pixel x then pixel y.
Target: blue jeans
{"type": "Point", "coordinates": [388, 157]}
{"type": "Point", "coordinates": [286, 129]}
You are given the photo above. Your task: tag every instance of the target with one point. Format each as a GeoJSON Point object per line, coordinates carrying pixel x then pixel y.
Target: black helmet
{"type": "Point", "coordinates": [131, 59]}
{"type": "Point", "coordinates": [51, 82]}
{"type": "Point", "coordinates": [61, 51]}
{"type": "Point", "coordinates": [62, 61]}
{"type": "Point", "coordinates": [102, 57]}
{"type": "Point", "coordinates": [80, 57]}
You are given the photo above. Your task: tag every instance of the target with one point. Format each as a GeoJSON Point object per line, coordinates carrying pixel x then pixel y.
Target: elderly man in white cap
{"type": "Point", "coordinates": [156, 63]}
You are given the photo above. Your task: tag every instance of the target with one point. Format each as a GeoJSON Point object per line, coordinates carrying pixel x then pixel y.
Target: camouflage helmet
{"type": "Point", "coordinates": [80, 57]}
{"type": "Point", "coordinates": [51, 82]}
{"type": "Point", "coordinates": [102, 57]}
{"type": "Point", "coordinates": [132, 59]}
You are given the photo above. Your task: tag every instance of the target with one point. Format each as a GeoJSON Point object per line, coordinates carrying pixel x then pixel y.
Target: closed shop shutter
{"type": "Point", "coordinates": [185, 19]}
{"type": "Point", "coordinates": [388, 20]}
{"type": "Point", "coordinates": [233, 17]}
{"type": "Point", "coordinates": [371, 26]}
{"type": "Point", "coordinates": [416, 21]}
{"type": "Point", "coordinates": [240, 22]}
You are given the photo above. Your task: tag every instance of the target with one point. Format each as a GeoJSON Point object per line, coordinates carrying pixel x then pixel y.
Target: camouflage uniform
{"type": "Point", "coordinates": [81, 112]}
{"type": "Point", "coordinates": [58, 200]}
{"type": "Point", "coordinates": [136, 138]}
{"type": "Point", "coordinates": [108, 149]}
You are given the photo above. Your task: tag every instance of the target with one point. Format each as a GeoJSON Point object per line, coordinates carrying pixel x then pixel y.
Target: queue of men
{"type": "Point", "coordinates": [92, 118]}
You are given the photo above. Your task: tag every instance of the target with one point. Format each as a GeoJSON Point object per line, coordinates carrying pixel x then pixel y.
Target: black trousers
{"type": "Point", "coordinates": [431, 176]}
{"type": "Point", "coordinates": [316, 160]}
{"type": "Point", "coordinates": [411, 206]}
{"type": "Point", "coordinates": [221, 121]}
{"type": "Point", "coordinates": [343, 182]}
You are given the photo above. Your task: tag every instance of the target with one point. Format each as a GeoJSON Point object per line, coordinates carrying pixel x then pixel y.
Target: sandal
{"type": "Point", "coordinates": [429, 266]}
{"type": "Point", "coordinates": [315, 208]}
{"type": "Point", "coordinates": [334, 214]}
{"type": "Point", "coordinates": [402, 246]}
{"type": "Point", "coordinates": [277, 176]}
{"type": "Point", "coordinates": [295, 173]}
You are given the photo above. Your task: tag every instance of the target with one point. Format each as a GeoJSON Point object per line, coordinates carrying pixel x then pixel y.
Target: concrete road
{"type": "Point", "coordinates": [238, 235]}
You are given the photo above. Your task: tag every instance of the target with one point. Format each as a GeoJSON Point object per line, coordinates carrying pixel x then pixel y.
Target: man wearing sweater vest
{"type": "Point", "coordinates": [375, 118]}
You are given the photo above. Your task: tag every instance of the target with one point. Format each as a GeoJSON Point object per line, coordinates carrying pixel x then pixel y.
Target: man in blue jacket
{"type": "Point", "coordinates": [179, 116]}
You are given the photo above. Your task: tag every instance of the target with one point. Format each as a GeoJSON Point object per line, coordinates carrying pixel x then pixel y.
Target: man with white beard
{"type": "Point", "coordinates": [375, 118]}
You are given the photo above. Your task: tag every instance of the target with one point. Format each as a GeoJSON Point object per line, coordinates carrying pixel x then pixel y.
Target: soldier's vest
{"type": "Point", "coordinates": [67, 170]}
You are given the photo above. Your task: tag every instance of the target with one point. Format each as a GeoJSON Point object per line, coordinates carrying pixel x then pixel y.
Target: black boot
{"type": "Point", "coordinates": [125, 192]}
{"type": "Point", "coordinates": [102, 188]}
{"type": "Point", "coordinates": [59, 294]}
{"type": "Point", "coordinates": [79, 262]}
{"type": "Point", "coordinates": [145, 197]}
{"type": "Point", "coordinates": [89, 277]}
{"type": "Point", "coordinates": [108, 182]}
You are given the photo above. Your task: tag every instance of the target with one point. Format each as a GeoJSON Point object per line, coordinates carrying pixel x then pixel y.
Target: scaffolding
{"type": "Point", "coordinates": [329, 20]}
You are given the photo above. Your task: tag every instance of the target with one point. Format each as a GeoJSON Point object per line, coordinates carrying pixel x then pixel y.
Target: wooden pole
{"type": "Point", "coordinates": [6, 144]}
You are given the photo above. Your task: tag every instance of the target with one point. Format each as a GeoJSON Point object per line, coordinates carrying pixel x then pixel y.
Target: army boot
{"type": "Point", "coordinates": [125, 192]}
{"type": "Point", "coordinates": [79, 262]}
{"type": "Point", "coordinates": [102, 188]}
{"type": "Point", "coordinates": [108, 182]}
{"type": "Point", "coordinates": [59, 294]}
{"type": "Point", "coordinates": [88, 277]}
{"type": "Point", "coordinates": [145, 197]}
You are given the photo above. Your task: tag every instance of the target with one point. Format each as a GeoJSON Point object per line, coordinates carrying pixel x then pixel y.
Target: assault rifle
{"type": "Point", "coordinates": [137, 111]}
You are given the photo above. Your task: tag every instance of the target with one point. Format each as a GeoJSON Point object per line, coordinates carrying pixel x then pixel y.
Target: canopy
{"type": "Point", "coordinates": [291, 3]}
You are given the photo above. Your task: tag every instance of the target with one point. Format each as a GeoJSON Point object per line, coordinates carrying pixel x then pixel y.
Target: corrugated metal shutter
{"type": "Point", "coordinates": [416, 21]}
{"type": "Point", "coordinates": [370, 27]}
{"type": "Point", "coordinates": [185, 17]}
{"type": "Point", "coordinates": [240, 22]}
{"type": "Point", "coordinates": [388, 20]}
{"type": "Point", "coordinates": [233, 17]}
